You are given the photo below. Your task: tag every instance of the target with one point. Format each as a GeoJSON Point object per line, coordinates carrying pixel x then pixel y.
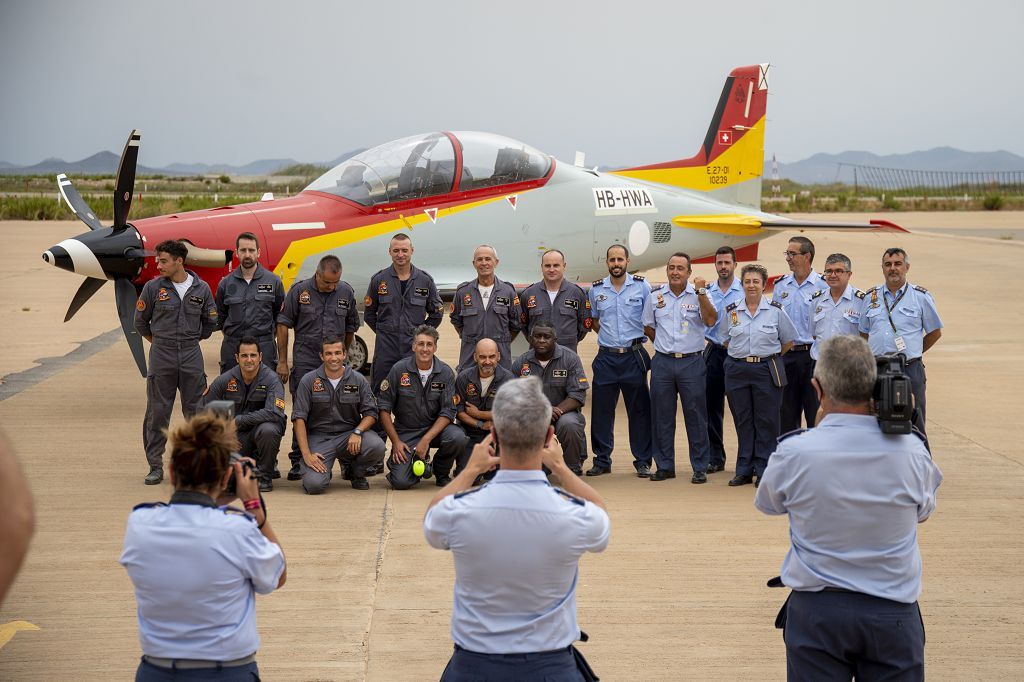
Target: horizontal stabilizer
{"type": "Point", "coordinates": [741, 225]}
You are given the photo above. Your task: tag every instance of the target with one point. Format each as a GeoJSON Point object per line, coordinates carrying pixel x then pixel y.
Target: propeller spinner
{"type": "Point", "coordinates": [106, 253]}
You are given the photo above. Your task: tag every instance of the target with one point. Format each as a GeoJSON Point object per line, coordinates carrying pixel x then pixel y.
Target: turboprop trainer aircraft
{"type": "Point", "coordinates": [452, 191]}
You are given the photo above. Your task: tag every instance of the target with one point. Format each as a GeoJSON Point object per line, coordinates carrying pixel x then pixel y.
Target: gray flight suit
{"type": "Point", "coordinates": [469, 391]}
{"type": "Point", "coordinates": [259, 413]}
{"type": "Point", "coordinates": [175, 360]}
{"type": "Point", "coordinates": [570, 313]}
{"type": "Point", "coordinates": [500, 321]}
{"type": "Point", "coordinates": [249, 309]}
{"type": "Point", "coordinates": [415, 407]}
{"type": "Point", "coordinates": [563, 378]}
{"type": "Point", "coordinates": [393, 313]}
{"type": "Point", "coordinates": [314, 315]}
{"type": "Point", "coordinates": [331, 414]}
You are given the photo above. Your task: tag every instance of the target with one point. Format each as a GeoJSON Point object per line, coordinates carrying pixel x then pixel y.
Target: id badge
{"type": "Point", "coordinates": [686, 327]}
{"type": "Point", "coordinates": [901, 345]}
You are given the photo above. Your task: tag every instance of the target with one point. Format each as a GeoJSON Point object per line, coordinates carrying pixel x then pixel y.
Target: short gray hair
{"type": "Point", "coordinates": [846, 369]}
{"type": "Point", "coordinates": [522, 414]}
{"type": "Point", "coordinates": [485, 246]}
{"type": "Point", "coordinates": [839, 258]}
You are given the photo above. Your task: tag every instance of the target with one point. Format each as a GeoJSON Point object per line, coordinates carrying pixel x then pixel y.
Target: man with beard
{"type": "Point", "coordinates": [621, 364]}
{"type": "Point", "coordinates": [725, 291]}
{"type": "Point", "coordinates": [486, 308]}
{"type": "Point", "coordinates": [248, 301]}
{"type": "Point", "coordinates": [475, 388]}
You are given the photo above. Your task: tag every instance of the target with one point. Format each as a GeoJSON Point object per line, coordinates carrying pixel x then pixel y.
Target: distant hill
{"type": "Point", "coordinates": [825, 169]}
{"type": "Point", "coordinates": [103, 163]}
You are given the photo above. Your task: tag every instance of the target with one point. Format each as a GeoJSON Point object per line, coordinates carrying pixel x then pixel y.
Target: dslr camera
{"type": "Point", "coordinates": [893, 399]}
{"type": "Point", "coordinates": [226, 409]}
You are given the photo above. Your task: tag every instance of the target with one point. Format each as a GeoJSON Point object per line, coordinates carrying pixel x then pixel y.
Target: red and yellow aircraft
{"type": "Point", "coordinates": [452, 191]}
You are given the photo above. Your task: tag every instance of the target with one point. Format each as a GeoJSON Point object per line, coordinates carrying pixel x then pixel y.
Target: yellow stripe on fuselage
{"type": "Point", "coordinates": [299, 250]}
{"type": "Point", "coordinates": [743, 161]}
{"type": "Point", "coordinates": [736, 225]}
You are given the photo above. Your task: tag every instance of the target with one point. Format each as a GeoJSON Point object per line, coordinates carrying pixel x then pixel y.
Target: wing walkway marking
{"type": "Point", "coordinates": [8, 630]}
{"type": "Point", "coordinates": [16, 382]}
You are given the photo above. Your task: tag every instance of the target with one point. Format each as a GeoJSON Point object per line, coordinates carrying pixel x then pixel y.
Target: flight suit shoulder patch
{"type": "Point", "coordinates": [568, 496]}
{"type": "Point", "coordinates": [776, 304]}
{"type": "Point", "coordinates": [790, 434]}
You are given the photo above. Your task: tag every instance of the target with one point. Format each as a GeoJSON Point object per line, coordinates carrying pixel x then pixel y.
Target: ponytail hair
{"type": "Point", "coordinates": [201, 450]}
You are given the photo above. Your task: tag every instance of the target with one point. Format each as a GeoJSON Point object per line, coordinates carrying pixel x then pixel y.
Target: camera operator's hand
{"type": "Point", "coordinates": [483, 459]}
{"type": "Point", "coordinates": [241, 491]}
{"type": "Point", "coordinates": [355, 442]}
{"type": "Point", "coordinates": [400, 451]}
{"type": "Point", "coordinates": [282, 371]}
{"type": "Point", "coordinates": [551, 456]}
{"type": "Point", "coordinates": [315, 461]}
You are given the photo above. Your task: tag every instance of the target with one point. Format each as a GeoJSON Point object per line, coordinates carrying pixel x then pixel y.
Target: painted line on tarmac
{"type": "Point", "coordinates": [13, 384]}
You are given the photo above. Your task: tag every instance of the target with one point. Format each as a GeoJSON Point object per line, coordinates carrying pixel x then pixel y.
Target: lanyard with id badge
{"type": "Point", "coordinates": [901, 345]}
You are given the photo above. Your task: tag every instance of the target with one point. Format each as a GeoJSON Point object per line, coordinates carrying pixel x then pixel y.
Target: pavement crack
{"type": "Point", "coordinates": [386, 521]}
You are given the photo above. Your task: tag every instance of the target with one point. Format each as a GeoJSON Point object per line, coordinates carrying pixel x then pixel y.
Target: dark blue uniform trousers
{"type": "Point", "coordinates": [798, 397]}
{"type": "Point", "coordinates": [755, 402]}
{"type": "Point", "coordinates": [684, 377]}
{"type": "Point", "coordinates": [714, 363]}
{"type": "Point", "coordinates": [147, 672]}
{"type": "Point", "coordinates": [469, 666]}
{"type": "Point", "coordinates": [918, 381]}
{"type": "Point", "coordinates": [841, 635]}
{"type": "Point", "coordinates": [626, 373]}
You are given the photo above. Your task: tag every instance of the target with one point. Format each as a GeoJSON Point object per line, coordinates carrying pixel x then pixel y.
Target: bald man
{"type": "Point", "coordinates": [475, 388]}
{"type": "Point", "coordinates": [486, 308]}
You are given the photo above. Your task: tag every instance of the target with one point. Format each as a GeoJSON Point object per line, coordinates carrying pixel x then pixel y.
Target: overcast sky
{"type": "Point", "coordinates": [627, 82]}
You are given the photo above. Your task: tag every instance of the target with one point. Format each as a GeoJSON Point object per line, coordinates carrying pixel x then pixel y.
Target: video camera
{"type": "Point", "coordinates": [226, 409]}
{"type": "Point", "coordinates": [892, 396]}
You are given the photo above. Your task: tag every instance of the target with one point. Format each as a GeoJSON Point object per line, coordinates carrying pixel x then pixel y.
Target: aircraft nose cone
{"type": "Point", "coordinates": [59, 257]}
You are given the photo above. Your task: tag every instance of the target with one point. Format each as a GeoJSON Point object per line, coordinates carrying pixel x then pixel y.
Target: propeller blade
{"type": "Point", "coordinates": [77, 204]}
{"type": "Point", "coordinates": [125, 185]}
{"type": "Point", "coordinates": [139, 253]}
{"type": "Point", "coordinates": [125, 297]}
{"type": "Point", "coordinates": [89, 287]}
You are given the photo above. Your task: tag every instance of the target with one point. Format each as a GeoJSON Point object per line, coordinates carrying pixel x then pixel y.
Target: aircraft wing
{"type": "Point", "coordinates": [741, 225]}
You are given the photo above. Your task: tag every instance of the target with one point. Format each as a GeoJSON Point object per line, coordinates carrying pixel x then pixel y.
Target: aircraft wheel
{"type": "Point", "coordinates": [359, 355]}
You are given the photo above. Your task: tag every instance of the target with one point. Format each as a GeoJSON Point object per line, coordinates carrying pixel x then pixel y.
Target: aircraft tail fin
{"type": "Point", "coordinates": [730, 162]}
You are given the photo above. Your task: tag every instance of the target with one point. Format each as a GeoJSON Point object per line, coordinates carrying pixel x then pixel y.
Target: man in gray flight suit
{"type": "Point", "coordinates": [561, 302]}
{"type": "Point", "coordinates": [315, 308]}
{"type": "Point", "coordinates": [174, 312]}
{"type": "Point", "coordinates": [332, 417]}
{"type": "Point", "coordinates": [475, 388]}
{"type": "Point", "coordinates": [258, 395]}
{"type": "Point", "coordinates": [486, 308]}
{"type": "Point", "coordinates": [398, 299]}
{"type": "Point", "coordinates": [248, 301]}
{"type": "Point", "coordinates": [420, 392]}
{"type": "Point", "coordinates": [565, 384]}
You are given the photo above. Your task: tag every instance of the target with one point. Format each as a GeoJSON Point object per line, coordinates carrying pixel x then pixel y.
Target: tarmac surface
{"type": "Point", "coordinates": [680, 592]}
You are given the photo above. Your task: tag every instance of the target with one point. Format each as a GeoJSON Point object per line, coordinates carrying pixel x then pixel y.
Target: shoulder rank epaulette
{"type": "Point", "coordinates": [780, 278]}
{"type": "Point", "coordinates": [656, 287]}
{"type": "Point", "coordinates": [868, 291]}
{"type": "Point", "coordinates": [921, 289]}
{"type": "Point", "coordinates": [147, 505]}
{"type": "Point", "coordinates": [859, 294]}
{"type": "Point", "coordinates": [776, 304]}
{"type": "Point", "coordinates": [817, 294]}
{"type": "Point", "coordinates": [571, 498]}
{"type": "Point", "coordinates": [596, 282]}
{"type": "Point", "coordinates": [235, 511]}
{"type": "Point", "coordinates": [470, 491]}
{"type": "Point", "coordinates": [790, 434]}
{"type": "Point", "coordinates": [924, 439]}
{"type": "Point", "coordinates": [732, 306]}
{"type": "Point", "coordinates": [638, 278]}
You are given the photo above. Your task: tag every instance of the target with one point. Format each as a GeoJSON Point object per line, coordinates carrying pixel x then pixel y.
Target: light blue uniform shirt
{"type": "Point", "coordinates": [517, 542]}
{"type": "Point", "coordinates": [678, 326]}
{"type": "Point", "coordinates": [914, 316]}
{"type": "Point", "coordinates": [835, 319]}
{"type": "Point", "coordinates": [721, 299]}
{"type": "Point", "coordinates": [854, 496]}
{"type": "Point", "coordinates": [761, 334]}
{"type": "Point", "coordinates": [195, 570]}
{"type": "Point", "coordinates": [619, 312]}
{"type": "Point", "coordinates": [796, 301]}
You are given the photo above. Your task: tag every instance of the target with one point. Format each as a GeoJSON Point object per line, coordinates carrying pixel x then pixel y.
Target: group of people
{"type": "Point", "coordinates": [710, 341]}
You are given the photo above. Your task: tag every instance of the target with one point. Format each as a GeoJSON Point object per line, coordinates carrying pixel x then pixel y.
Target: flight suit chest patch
{"type": "Point", "coordinates": [560, 373]}
{"type": "Point", "coordinates": [196, 300]}
{"type": "Point", "coordinates": [501, 300]}
{"type": "Point", "coordinates": [343, 303]}
{"type": "Point", "coordinates": [304, 298]}
{"type": "Point", "coordinates": [351, 388]}
{"type": "Point", "coordinates": [437, 385]}
{"type": "Point", "coordinates": [265, 288]}
{"type": "Point", "coordinates": [571, 303]}
{"type": "Point", "coordinates": [422, 291]}
{"type": "Point", "coordinates": [163, 295]}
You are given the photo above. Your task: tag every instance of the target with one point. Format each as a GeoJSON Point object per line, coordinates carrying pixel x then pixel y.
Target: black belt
{"type": "Point", "coordinates": [716, 346]}
{"type": "Point", "coordinates": [258, 337]}
{"type": "Point", "coordinates": [170, 343]}
{"type": "Point", "coordinates": [755, 358]}
{"type": "Point", "coordinates": [525, 654]}
{"type": "Point", "coordinates": [680, 355]}
{"type": "Point", "coordinates": [196, 664]}
{"type": "Point", "coordinates": [800, 347]}
{"type": "Point", "coordinates": [634, 344]}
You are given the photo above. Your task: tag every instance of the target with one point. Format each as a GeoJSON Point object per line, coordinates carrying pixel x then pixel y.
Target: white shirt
{"type": "Point", "coordinates": [334, 382]}
{"type": "Point", "coordinates": [485, 294]}
{"type": "Point", "coordinates": [485, 384]}
{"type": "Point", "coordinates": [552, 295]}
{"type": "Point", "coordinates": [182, 287]}
{"type": "Point", "coordinates": [516, 542]}
{"type": "Point", "coordinates": [424, 375]}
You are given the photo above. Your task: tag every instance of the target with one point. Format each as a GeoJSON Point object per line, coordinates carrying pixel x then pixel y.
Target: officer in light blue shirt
{"type": "Point", "coordinates": [197, 566]}
{"type": "Point", "coordinates": [758, 334]}
{"type": "Point", "coordinates": [621, 363]}
{"type": "Point", "coordinates": [723, 292]}
{"type": "Point", "coordinates": [516, 542]}
{"type": "Point", "coordinates": [854, 497]}
{"type": "Point", "coordinates": [676, 318]}
{"type": "Point", "coordinates": [836, 311]}
{"type": "Point", "coordinates": [899, 317]}
{"type": "Point", "coordinates": [795, 292]}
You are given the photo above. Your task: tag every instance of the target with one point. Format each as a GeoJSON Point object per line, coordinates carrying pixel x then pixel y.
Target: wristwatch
{"type": "Point", "coordinates": [358, 432]}
{"type": "Point", "coordinates": [480, 423]}
{"type": "Point", "coordinates": [703, 291]}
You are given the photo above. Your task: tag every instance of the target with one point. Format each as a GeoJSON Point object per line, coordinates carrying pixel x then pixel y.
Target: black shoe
{"type": "Point", "coordinates": [295, 473]}
{"type": "Point", "coordinates": [699, 477]}
{"type": "Point", "coordinates": [577, 470]}
{"type": "Point", "coordinates": [346, 473]}
{"type": "Point", "coordinates": [643, 471]}
{"type": "Point", "coordinates": [715, 468]}
{"type": "Point", "coordinates": [276, 474]}
{"type": "Point", "coordinates": [757, 482]}
{"type": "Point", "coordinates": [374, 469]}
{"type": "Point", "coordinates": [741, 480]}
{"type": "Point", "coordinates": [442, 481]}
{"type": "Point", "coordinates": [360, 483]}
{"type": "Point", "coordinates": [598, 470]}
{"type": "Point", "coordinates": [661, 475]}
{"type": "Point", "coordinates": [266, 485]}
{"type": "Point", "coordinates": [155, 476]}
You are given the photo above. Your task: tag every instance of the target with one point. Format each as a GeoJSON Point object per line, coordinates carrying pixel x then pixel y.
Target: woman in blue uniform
{"type": "Point", "coordinates": [757, 334]}
{"type": "Point", "coordinates": [196, 565]}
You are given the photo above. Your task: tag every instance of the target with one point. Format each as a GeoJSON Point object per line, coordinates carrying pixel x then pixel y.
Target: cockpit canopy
{"type": "Point", "coordinates": [424, 166]}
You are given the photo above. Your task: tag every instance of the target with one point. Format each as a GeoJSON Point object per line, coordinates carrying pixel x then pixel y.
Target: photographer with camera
{"type": "Point", "coordinates": [196, 565]}
{"type": "Point", "coordinates": [854, 491]}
